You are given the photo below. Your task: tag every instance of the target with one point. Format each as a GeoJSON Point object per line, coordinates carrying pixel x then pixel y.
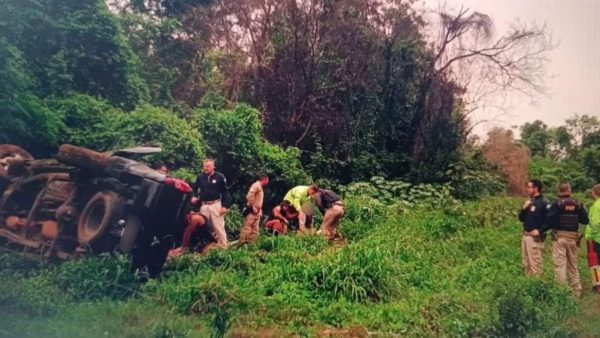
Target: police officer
{"type": "Point", "coordinates": [211, 187]}
{"type": "Point", "coordinates": [533, 216]}
{"type": "Point", "coordinates": [564, 218]}
{"type": "Point", "coordinates": [332, 208]}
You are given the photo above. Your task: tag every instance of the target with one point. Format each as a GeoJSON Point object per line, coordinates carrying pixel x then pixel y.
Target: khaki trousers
{"type": "Point", "coordinates": [250, 229]}
{"type": "Point", "coordinates": [564, 258]}
{"type": "Point", "coordinates": [331, 220]}
{"type": "Point", "coordinates": [213, 212]}
{"type": "Point", "coordinates": [531, 256]}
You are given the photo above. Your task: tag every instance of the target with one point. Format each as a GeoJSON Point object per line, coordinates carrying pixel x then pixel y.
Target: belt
{"type": "Point", "coordinates": [568, 234]}
{"type": "Point", "coordinates": [210, 202]}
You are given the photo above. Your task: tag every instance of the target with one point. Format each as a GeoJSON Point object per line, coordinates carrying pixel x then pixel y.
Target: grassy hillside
{"type": "Point", "coordinates": [452, 270]}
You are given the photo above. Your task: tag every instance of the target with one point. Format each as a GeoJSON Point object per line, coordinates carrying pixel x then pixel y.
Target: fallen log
{"type": "Point", "coordinates": [84, 158]}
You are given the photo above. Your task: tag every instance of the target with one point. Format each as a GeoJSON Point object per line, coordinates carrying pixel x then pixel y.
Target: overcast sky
{"type": "Point", "coordinates": [574, 65]}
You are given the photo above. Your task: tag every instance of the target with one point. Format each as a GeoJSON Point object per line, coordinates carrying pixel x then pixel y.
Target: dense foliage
{"type": "Point", "coordinates": [350, 89]}
{"type": "Point", "coordinates": [567, 153]}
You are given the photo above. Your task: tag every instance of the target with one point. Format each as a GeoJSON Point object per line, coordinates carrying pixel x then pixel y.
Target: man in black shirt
{"type": "Point", "coordinates": [332, 208]}
{"type": "Point", "coordinates": [533, 217]}
{"type": "Point", "coordinates": [564, 218]}
{"type": "Point", "coordinates": [211, 187]}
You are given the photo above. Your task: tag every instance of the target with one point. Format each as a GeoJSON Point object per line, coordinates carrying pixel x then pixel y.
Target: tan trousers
{"type": "Point", "coordinates": [331, 220]}
{"type": "Point", "coordinates": [531, 256]}
{"type": "Point", "coordinates": [250, 229]}
{"type": "Point", "coordinates": [564, 257]}
{"type": "Point", "coordinates": [213, 212]}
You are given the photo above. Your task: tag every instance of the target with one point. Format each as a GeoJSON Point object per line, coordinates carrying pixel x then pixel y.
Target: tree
{"type": "Point", "coordinates": [580, 126]}
{"type": "Point", "coordinates": [468, 53]}
{"type": "Point", "coordinates": [74, 45]}
{"type": "Point", "coordinates": [25, 120]}
{"type": "Point", "coordinates": [590, 157]}
{"type": "Point", "coordinates": [511, 157]}
{"type": "Point", "coordinates": [536, 137]}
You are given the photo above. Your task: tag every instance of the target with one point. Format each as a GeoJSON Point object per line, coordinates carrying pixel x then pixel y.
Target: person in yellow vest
{"type": "Point", "coordinates": [592, 236]}
{"type": "Point", "coordinates": [253, 210]}
{"type": "Point", "coordinates": [301, 198]}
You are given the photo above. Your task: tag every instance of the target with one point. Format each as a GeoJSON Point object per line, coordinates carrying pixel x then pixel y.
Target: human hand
{"type": "Point", "coordinates": [194, 200]}
{"type": "Point", "coordinates": [526, 204]}
{"type": "Point", "coordinates": [223, 211]}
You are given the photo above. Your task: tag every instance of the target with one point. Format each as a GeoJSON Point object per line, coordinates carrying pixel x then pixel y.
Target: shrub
{"type": "Point", "coordinates": [99, 277]}
{"type": "Point", "coordinates": [233, 137]}
{"type": "Point", "coordinates": [95, 124]}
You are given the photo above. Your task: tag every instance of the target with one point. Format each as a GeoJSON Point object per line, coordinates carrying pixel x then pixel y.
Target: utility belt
{"type": "Point", "coordinates": [570, 235]}
{"type": "Point", "coordinates": [210, 202]}
{"type": "Point", "coordinates": [538, 238]}
{"type": "Point", "coordinates": [338, 203]}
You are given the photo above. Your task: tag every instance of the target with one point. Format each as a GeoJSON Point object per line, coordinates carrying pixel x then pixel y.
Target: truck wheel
{"type": "Point", "coordinates": [100, 212]}
{"type": "Point", "coordinates": [10, 150]}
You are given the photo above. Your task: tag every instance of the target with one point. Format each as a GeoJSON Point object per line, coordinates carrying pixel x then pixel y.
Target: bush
{"type": "Point", "coordinates": [401, 193]}
{"type": "Point", "coordinates": [233, 137]}
{"type": "Point", "coordinates": [95, 278]}
{"type": "Point", "coordinates": [552, 173]}
{"type": "Point", "coordinates": [95, 124]}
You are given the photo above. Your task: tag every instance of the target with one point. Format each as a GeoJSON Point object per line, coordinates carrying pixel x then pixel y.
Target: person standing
{"type": "Point", "coordinates": [253, 210]}
{"type": "Point", "coordinates": [592, 236]}
{"type": "Point", "coordinates": [533, 216]}
{"type": "Point", "coordinates": [564, 218]}
{"type": "Point", "coordinates": [332, 208]}
{"type": "Point", "coordinates": [213, 194]}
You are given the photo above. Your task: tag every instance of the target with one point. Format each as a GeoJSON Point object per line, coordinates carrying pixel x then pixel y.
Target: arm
{"type": "Point", "coordinates": [251, 198]}
{"type": "Point", "coordinates": [552, 217]}
{"type": "Point", "coordinates": [545, 207]}
{"type": "Point", "coordinates": [524, 210]}
{"type": "Point", "coordinates": [319, 203]}
{"type": "Point", "coordinates": [583, 215]}
{"type": "Point", "coordinates": [250, 195]}
{"type": "Point", "coordinates": [523, 214]}
{"type": "Point", "coordinates": [277, 215]}
{"type": "Point", "coordinates": [296, 201]}
{"type": "Point", "coordinates": [196, 191]}
{"type": "Point", "coordinates": [224, 190]}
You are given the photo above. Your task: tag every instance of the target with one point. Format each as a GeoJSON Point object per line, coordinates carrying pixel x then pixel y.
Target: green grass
{"type": "Point", "coordinates": [452, 271]}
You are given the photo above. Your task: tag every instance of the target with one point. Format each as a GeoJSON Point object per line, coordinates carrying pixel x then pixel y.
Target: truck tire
{"type": "Point", "coordinates": [18, 156]}
{"type": "Point", "coordinates": [10, 150]}
{"type": "Point", "coordinates": [98, 215]}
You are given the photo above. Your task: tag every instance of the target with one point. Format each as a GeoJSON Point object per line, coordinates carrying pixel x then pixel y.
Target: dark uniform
{"type": "Point", "coordinates": [533, 218]}
{"type": "Point", "coordinates": [214, 194]}
{"type": "Point", "coordinates": [212, 188]}
{"type": "Point", "coordinates": [564, 218]}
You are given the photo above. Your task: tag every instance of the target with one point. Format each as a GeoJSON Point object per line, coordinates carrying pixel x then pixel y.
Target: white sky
{"type": "Point", "coordinates": [574, 65]}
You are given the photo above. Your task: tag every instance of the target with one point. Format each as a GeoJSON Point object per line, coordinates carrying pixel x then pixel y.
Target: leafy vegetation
{"type": "Point", "coordinates": [391, 276]}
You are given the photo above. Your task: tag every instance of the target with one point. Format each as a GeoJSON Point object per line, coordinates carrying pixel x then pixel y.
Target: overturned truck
{"type": "Point", "coordinates": [86, 202]}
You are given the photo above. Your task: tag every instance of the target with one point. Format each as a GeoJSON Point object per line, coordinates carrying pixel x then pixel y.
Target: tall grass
{"type": "Point", "coordinates": [445, 270]}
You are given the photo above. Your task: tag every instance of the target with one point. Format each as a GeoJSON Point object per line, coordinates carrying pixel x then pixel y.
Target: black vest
{"type": "Point", "coordinates": [568, 214]}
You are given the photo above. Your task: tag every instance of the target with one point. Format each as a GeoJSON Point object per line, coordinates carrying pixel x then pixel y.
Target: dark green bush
{"type": "Point", "coordinates": [234, 138]}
